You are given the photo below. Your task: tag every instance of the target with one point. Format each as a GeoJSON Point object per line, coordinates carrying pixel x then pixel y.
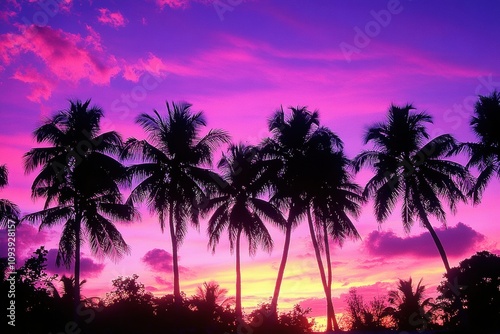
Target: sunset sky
{"type": "Point", "coordinates": [238, 61]}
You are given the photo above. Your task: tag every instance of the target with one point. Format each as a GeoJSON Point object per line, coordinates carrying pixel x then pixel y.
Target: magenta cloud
{"type": "Point", "coordinates": [89, 268]}
{"type": "Point", "coordinates": [159, 260]}
{"type": "Point", "coordinates": [27, 240]}
{"type": "Point", "coordinates": [114, 19]}
{"type": "Point", "coordinates": [456, 240]}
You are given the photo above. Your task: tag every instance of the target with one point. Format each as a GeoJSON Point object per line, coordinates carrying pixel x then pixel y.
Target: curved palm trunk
{"type": "Point", "coordinates": [328, 295]}
{"type": "Point", "coordinates": [238, 311]}
{"type": "Point", "coordinates": [76, 297]}
{"type": "Point", "coordinates": [281, 270]}
{"type": "Point", "coordinates": [177, 288]}
{"type": "Point", "coordinates": [428, 226]}
{"type": "Point", "coordinates": [329, 279]}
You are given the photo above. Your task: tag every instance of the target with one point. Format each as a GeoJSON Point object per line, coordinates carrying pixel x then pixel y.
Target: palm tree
{"type": "Point", "coordinates": [296, 142]}
{"type": "Point", "coordinates": [485, 154]}
{"type": "Point", "coordinates": [79, 180]}
{"type": "Point", "coordinates": [171, 176]}
{"type": "Point", "coordinates": [8, 210]}
{"type": "Point", "coordinates": [408, 308]}
{"type": "Point", "coordinates": [211, 296]}
{"type": "Point", "coordinates": [332, 198]}
{"type": "Point", "coordinates": [238, 207]}
{"type": "Point", "coordinates": [412, 171]}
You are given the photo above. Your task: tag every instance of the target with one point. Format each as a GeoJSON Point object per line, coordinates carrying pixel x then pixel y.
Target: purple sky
{"type": "Point", "coordinates": [239, 61]}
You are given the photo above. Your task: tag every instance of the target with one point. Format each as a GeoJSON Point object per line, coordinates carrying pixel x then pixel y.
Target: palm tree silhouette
{"type": "Point", "coordinates": [412, 171]}
{"type": "Point", "coordinates": [295, 142]}
{"type": "Point", "coordinates": [408, 308]}
{"type": "Point", "coordinates": [171, 176]}
{"type": "Point", "coordinates": [332, 198]}
{"type": "Point", "coordinates": [8, 210]}
{"type": "Point", "coordinates": [80, 184]}
{"type": "Point", "coordinates": [238, 207]}
{"type": "Point", "coordinates": [211, 296]}
{"type": "Point", "coordinates": [484, 154]}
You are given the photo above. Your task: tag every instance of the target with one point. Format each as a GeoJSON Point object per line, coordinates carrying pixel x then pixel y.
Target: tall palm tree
{"type": "Point", "coordinates": [333, 198]}
{"type": "Point", "coordinates": [408, 169]}
{"type": "Point", "coordinates": [239, 208]}
{"type": "Point", "coordinates": [171, 176]}
{"type": "Point", "coordinates": [79, 180]}
{"type": "Point", "coordinates": [485, 153]}
{"type": "Point", "coordinates": [295, 142]}
{"type": "Point", "coordinates": [408, 308]}
{"type": "Point", "coordinates": [8, 210]}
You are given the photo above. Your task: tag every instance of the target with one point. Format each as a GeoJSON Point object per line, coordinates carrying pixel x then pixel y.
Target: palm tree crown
{"type": "Point", "coordinates": [238, 206]}
{"type": "Point", "coordinates": [485, 154]}
{"type": "Point", "coordinates": [408, 169]}
{"type": "Point", "coordinates": [8, 210]}
{"type": "Point", "coordinates": [171, 176]}
{"type": "Point", "coordinates": [80, 183]}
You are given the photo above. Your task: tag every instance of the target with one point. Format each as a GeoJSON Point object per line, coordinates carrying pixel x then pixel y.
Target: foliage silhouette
{"type": "Point", "coordinates": [485, 153]}
{"type": "Point", "coordinates": [409, 309]}
{"type": "Point", "coordinates": [238, 207]}
{"type": "Point", "coordinates": [409, 170]}
{"type": "Point", "coordinates": [171, 177]}
{"type": "Point", "coordinates": [8, 210]}
{"type": "Point", "coordinates": [476, 281]}
{"type": "Point", "coordinates": [362, 316]}
{"type": "Point", "coordinates": [81, 181]}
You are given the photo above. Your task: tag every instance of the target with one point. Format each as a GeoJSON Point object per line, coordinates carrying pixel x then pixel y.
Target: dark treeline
{"type": "Point", "coordinates": [298, 174]}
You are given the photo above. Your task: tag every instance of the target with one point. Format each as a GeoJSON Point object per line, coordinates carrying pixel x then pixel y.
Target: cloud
{"type": "Point", "coordinates": [152, 65]}
{"type": "Point", "coordinates": [42, 87]}
{"type": "Point", "coordinates": [66, 56]}
{"type": "Point", "coordinates": [27, 240]}
{"type": "Point", "coordinates": [114, 19]}
{"type": "Point", "coordinates": [456, 240]}
{"type": "Point", "coordinates": [88, 267]}
{"type": "Point", "coordinates": [172, 3]}
{"type": "Point", "coordinates": [159, 260]}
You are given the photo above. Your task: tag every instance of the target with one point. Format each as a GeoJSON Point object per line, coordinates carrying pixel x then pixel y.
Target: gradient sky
{"type": "Point", "coordinates": [238, 61]}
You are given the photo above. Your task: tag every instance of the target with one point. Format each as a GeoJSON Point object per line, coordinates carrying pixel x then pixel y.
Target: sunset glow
{"type": "Point", "coordinates": [238, 63]}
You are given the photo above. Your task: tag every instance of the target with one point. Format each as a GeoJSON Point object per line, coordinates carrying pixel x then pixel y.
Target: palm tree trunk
{"type": "Point", "coordinates": [428, 226]}
{"type": "Point", "coordinates": [329, 308]}
{"type": "Point", "coordinates": [173, 236]}
{"type": "Point", "coordinates": [329, 279]}
{"type": "Point", "coordinates": [281, 270]}
{"type": "Point", "coordinates": [76, 297]}
{"type": "Point", "coordinates": [238, 311]}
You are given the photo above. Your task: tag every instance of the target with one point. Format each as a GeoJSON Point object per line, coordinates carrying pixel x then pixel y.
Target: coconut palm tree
{"type": "Point", "coordinates": [408, 308]}
{"type": "Point", "coordinates": [79, 180]}
{"type": "Point", "coordinates": [295, 142]}
{"type": "Point", "coordinates": [412, 171]}
{"type": "Point", "coordinates": [239, 208]}
{"type": "Point", "coordinates": [8, 210]}
{"type": "Point", "coordinates": [333, 199]}
{"type": "Point", "coordinates": [171, 176]}
{"type": "Point", "coordinates": [485, 153]}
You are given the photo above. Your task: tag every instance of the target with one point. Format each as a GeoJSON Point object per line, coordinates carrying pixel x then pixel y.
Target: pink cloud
{"type": "Point", "coordinates": [88, 267]}
{"type": "Point", "coordinates": [114, 19]}
{"type": "Point", "coordinates": [5, 15]}
{"type": "Point", "coordinates": [42, 87]}
{"type": "Point", "coordinates": [69, 57]}
{"type": "Point", "coordinates": [27, 240]}
{"type": "Point", "coordinates": [172, 3]}
{"type": "Point", "coordinates": [159, 260]}
{"type": "Point", "coordinates": [152, 65]}
{"type": "Point", "coordinates": [456, 240]}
